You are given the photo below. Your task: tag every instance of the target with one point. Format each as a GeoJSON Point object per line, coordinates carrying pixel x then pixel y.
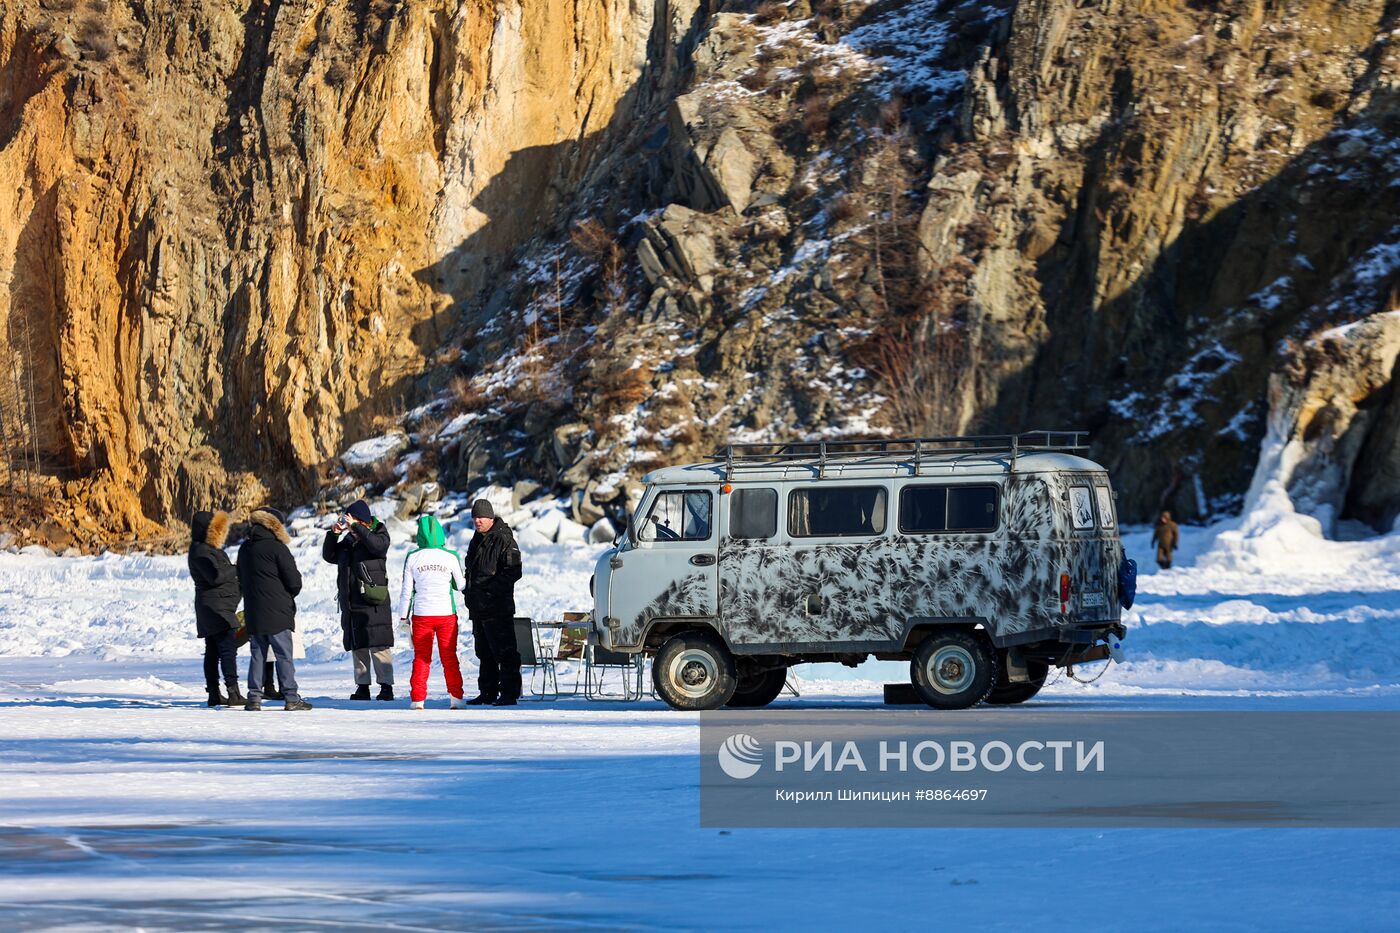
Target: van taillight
{"type": "Point", "coordinates": [1064, 593]}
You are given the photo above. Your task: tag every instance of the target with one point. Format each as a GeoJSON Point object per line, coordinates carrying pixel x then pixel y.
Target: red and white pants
{"type": "Point", "coordinates": [444, 630]}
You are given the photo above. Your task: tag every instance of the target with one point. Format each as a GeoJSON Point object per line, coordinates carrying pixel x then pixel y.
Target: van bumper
{"type": "Point", "coordinates": [1091, 631]}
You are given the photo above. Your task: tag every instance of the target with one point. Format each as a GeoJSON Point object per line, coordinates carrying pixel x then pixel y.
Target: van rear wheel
{"type": "Point", "coordinates": [953, 670]}
{"type": "Point", "coordinates": [759, 689]}
{"type": "Point", "coordinates": [1005, 692]}
{"type": "Point", "coordinates": [694, 671]}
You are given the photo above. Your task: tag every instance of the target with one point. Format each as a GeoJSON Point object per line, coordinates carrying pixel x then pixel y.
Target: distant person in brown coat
{"type": "Point", "coordinates": [1165, 536]}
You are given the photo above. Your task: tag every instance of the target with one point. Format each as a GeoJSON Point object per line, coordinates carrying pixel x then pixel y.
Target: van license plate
{"type": "Point", "coordinates": [1092, 599]}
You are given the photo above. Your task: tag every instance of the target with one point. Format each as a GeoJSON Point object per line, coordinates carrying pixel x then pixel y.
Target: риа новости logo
{"type": "Point", "coordinates": [740, 756]}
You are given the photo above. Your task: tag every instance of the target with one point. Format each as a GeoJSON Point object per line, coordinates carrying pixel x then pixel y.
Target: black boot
{"type": "Point", "coordinates": [235, 698]}
{"type": "Point", "coordinates": [296, 705]}
{"type": "Point", "coordinates": [273, 694]}
{"type": "Point", "coordinates": [481, 699]}
{"type": "Point", "coordinates": [253, 706]}
{"type": "Point", "coordinates": [361, 692]}
{"type": "Point", "coordinates": [386, 692]}
{"type": "Point", "coordinates": [504, 701]}
{"type": "Point", "coordinates": [216, 700]}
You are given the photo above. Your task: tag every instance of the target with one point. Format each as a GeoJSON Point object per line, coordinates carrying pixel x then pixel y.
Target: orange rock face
{"type": "Point", "coordinates": [232, 236]}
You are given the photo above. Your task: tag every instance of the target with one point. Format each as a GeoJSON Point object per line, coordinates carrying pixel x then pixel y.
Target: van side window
{"type": "Point", "coordinates": [834, 511]}
{"type": "Point", "coordinates": [929, 509]}
{"type": "Point", "coordinates": [923, 509]}
{"type": "Point", "coordinates": [753, 513]}
{"type": "Point", "coordinates": [678, 516]}
{"type": "Point", "coordinates": [1081, 508]}
{"type": "Point", "coordinates": [1105, 499]}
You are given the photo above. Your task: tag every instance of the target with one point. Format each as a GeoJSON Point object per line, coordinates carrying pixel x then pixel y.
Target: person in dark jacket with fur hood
{"type": "Point", "coordinates": [358, 544]}
{"type": "Point", "coordinates": [270, 580]}
{"type": "Point", "coordinates": [493, 567]}
{"type": "Point", "coordinates": [216, 596]}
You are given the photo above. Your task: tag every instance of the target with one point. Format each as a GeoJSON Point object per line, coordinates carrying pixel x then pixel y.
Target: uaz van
{"type": "Point", "coordinates": [983, 561]}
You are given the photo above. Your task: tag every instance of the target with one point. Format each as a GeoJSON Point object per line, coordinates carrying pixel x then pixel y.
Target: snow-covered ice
{"type": "Point", "coordinates": [127, 803]}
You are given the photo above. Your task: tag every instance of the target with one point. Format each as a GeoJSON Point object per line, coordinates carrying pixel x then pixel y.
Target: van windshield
{"type": "Point", "coordinates": [678, 516]}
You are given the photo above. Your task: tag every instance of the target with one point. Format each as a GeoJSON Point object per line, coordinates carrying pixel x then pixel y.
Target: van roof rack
{"type": "Point", "coordinates": [901, 449]}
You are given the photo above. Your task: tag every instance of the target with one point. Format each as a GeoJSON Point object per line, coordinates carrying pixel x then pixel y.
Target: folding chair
{"type": "Point", "coordinates": [598, 661]}
{"type": "Point", "coordinates": [572, 647]}
{"type": "Point", "coordinates": [539, 662]}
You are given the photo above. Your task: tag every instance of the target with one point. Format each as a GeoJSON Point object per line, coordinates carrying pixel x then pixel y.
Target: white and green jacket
{"type": "Point", "coordinates": [432, 574]}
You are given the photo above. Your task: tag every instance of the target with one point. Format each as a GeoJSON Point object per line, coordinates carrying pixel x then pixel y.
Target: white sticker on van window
{"type": "Point", "coordinates": [1105, 505]}
{"type": "Point", "coordinates": [1081, 507]}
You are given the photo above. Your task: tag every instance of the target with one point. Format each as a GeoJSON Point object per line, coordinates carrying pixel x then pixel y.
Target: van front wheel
{"type": "Point", "coordinates": [953, 670]}
{"type": "Point", "coordinates": [694, 671]}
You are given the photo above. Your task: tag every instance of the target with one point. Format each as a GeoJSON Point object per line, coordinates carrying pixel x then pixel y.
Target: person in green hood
{"type": "Point", "coordinates": [432, 578]}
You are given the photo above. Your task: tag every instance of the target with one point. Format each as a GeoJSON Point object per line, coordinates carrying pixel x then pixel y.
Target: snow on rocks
{"type": "Point", "coordinates": [370, 453]}
{"type": "Point", "coordinates": [602, 532]}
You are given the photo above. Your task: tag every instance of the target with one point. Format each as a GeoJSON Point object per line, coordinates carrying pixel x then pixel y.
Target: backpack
{"type": "Point", "coordinates": [1127, 582]}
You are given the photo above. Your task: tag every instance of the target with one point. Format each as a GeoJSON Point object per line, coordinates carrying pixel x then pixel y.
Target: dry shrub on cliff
{"type": "Point", "coordinates": [920, 364]}
{"type": "Point", "coordinates": [1327, 98]}
{"type": "Point", "coordinates": [599, 244]}
{"type": "Point", "coordinates": [916, 346]}
{"type": "Point", "coordinates": [768, 13]}
{"type": "Point", "coordinates": [96, 37]}
{"type": "Point", "coordinates": [467, 395]}
{"type": "Point", "coordinates": [756, 80]}
{"type": "Point", "coordinates": [816, 116]}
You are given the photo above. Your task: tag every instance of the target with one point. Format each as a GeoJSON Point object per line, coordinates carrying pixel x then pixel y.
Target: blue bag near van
{"type": "Point", "coordinates": [1127, 582]}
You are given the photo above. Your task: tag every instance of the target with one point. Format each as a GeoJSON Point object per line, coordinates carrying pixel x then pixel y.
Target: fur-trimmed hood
{"type": "Point", "coordinates": [270, 522]}
{"type": "Point", "coordinates": [209, 528]}
{"type": "Point", "coordinates": [217, 534]}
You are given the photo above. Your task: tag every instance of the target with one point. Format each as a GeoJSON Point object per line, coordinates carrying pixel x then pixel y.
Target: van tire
{"type": "Point", "coordinates": [694, 671]}
{"type": "Point", "coordinates": [758, 690]}
{"type": "Point", "coordinates": [1005, 692]}
{"type": "Point", "coordinates": [966, 669]}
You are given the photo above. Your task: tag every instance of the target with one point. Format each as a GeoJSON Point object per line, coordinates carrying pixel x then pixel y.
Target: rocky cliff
{"type": "Point", "coordinates": [234, 232]}
{"type": "Point", "coordinates": [568, 242]}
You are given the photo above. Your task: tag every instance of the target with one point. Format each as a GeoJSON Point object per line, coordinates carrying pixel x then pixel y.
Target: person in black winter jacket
{"type": "Point", "coordinates": [358, 544]}
{"type": "Point", "coordinates": [493, 567]}
{"type": "Point", "coordinates": [270, 580]}
{"type": "Point", "coordinates": [216, 596]}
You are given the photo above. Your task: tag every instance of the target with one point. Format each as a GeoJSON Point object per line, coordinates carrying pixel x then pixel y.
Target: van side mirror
{"type": "Point", "coordinates": [622, 529]}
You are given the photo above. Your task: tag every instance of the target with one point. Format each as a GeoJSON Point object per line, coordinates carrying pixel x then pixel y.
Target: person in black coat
{"type": "Point", "coordinates": [493, 567]}
{"type": "Point", "coordinates": [216, 596]}
{"type": "Point", "coordinates": [270, 580]}
{"type": "Point", "coordinates": [358, 544]}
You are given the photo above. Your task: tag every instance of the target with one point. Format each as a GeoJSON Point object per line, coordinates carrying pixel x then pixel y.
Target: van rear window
{"type": "Point", "coordinates": [753, 513]}
{"type": "Point", "coordinates": [836, 511]}
{"type": "Point", "coordinates": [1081, 507]}
{"type": "Point", "coordinates": [1105, 500]}
{"type": "Point", "coordinates": [931, 509]}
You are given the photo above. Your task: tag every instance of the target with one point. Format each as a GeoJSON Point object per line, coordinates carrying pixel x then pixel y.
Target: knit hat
{"type": "Point", "coordinates": [359, 510]}
{"type": "Point", "coordinates": [481, 508]}
{"type": "Point", "coordinates": [273, 512]}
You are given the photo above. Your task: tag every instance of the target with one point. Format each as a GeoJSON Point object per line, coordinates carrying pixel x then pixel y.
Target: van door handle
{"type": "Point", "coordinates": [703, 560]}
{"type": "Point", "coordinates": [615, 563]}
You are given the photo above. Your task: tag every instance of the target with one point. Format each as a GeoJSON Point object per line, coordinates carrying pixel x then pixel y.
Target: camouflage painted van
{"type": "Point", "coordinates": [983, 561]}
